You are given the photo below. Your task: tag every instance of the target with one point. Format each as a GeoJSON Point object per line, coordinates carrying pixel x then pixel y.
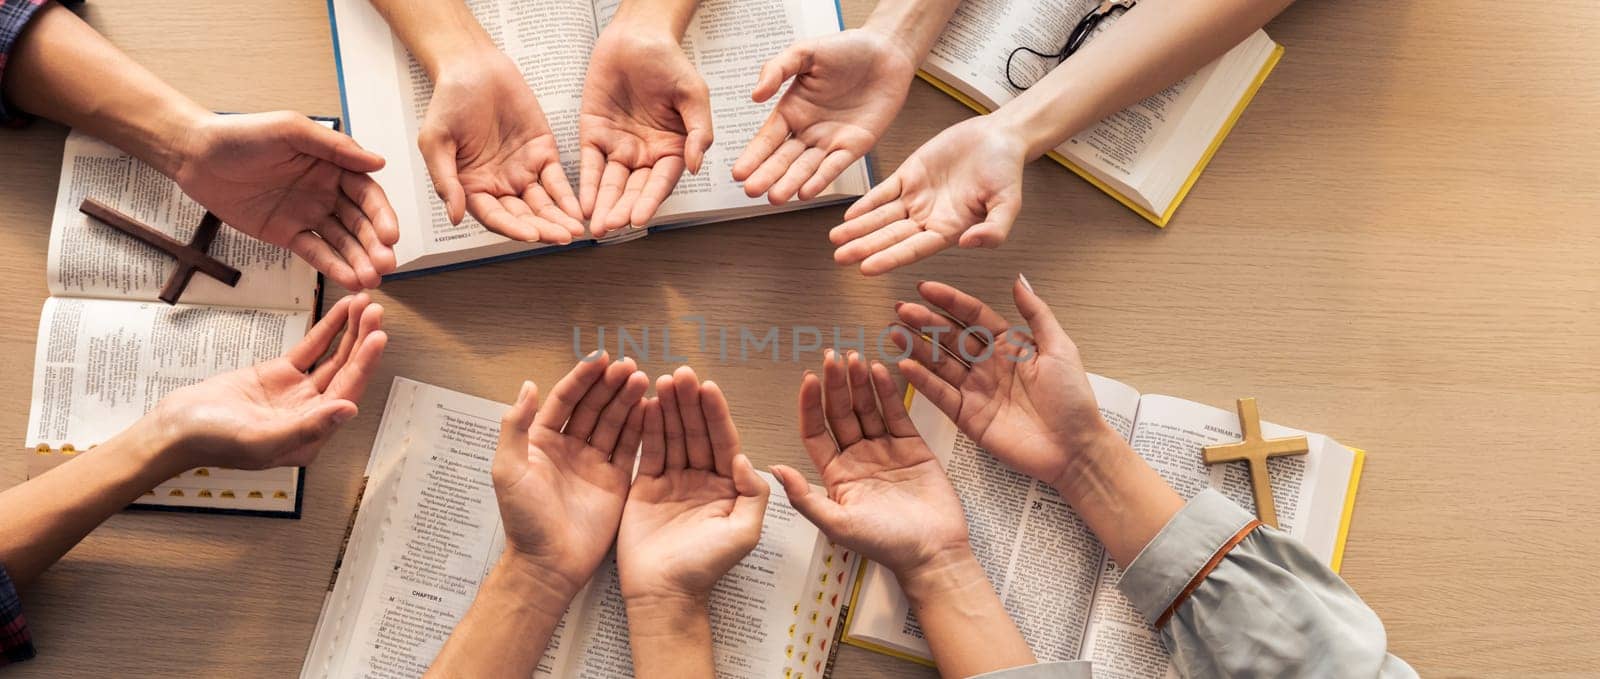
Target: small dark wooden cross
{"type": "Point", "coordinates": [1257, 450]}
{"type": "Point", "coordinates": [191, 257]}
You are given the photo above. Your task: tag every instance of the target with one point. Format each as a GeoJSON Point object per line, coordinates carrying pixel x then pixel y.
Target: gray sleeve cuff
{"type": "Point", "coordinates": [1172, 559]}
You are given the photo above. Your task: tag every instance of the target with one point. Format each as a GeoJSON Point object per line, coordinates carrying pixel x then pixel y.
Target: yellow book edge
{"type": "Point", "coordinates": [1334, 563]}
{"type": "Point", "coordinates": [1160, 220]}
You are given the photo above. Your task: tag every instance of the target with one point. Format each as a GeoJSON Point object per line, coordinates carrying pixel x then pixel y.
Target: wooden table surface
{"type": "Point", "coordinates": [1396, 246]}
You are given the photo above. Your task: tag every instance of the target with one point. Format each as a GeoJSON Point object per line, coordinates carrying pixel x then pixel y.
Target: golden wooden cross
{"type": "Point", "coordinates": [1257, 450]}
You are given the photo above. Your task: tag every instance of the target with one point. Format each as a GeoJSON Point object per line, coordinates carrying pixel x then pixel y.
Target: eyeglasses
{"type": "Point", "coordinates": [1079, 35]}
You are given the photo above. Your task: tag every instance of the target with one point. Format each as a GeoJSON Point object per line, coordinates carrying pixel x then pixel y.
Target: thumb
{"type": "Point", "coordinates": [511, 457]}
{"type": "Point", "coordinates": [695, 108]}
{"type": "Point", "coordinates": [1002, 213]}
{"type": "Point", "coordinates": [750, 508]}
{"type": "Point", "coordinates": [294, 440]}
{"type": "Point", "coordinates": [1047, 332]}
{"type": "Point", "coordinates": [788, 64]}
{"type": "Point", "coordinates": [439, 155]}
{"type": "Point", "coordinates": [312, 138]}
{"type": "Point", "coordinates": [820, 510]}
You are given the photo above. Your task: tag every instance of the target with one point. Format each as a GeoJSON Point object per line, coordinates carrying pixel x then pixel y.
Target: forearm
{"type": "Point", "coordinates": [913, 24]}
{"type": "Point", "coordinates": [46, 516]}
{"type": "Point", "coordinates": [962, 618]}
{"type": "Point", "coordinates": [62, 69]}
{"type": "Point", "coordinates": [436, 31]}
{"type": "Point", "coordinates": [672, 15]}
{"type": "Point", "coordinates": [1121, 498]}
{"type": "Point", "coordinates": [508, 626]}
{"type": "Point", "coordinates": [1153, 45]}
{"type": "Point", "coordinates": [670, 637]}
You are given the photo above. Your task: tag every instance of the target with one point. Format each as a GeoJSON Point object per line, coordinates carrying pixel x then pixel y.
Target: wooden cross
{"type": "Point", "coordinates": [1257, 450]}
{"type": "Point", "coordinates": [191, 257]}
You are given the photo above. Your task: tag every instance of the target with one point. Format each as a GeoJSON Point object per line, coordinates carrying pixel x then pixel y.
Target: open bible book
{"type": "Point", "coordinates": [1055, 579]}
{"type": "Point", "coordinates": [1146, 156]}
{"type": "Point", "coordinates": [386, 93]}
{"type": "Point", "coordinates": [428, 529]}
{"type": "Point", "coordinates": [108, 349]}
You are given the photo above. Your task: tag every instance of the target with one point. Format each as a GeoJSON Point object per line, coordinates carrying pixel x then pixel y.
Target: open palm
{"type": "Point", "coordinates": [878, 471]}
{"type": "Point", "coordinates": [490, 152]}
{"type": "Point", "coordinates": [1028, 402]}
{"type": "Point", "coordinates": [847, 89]}
{"type": "Point", "coordinates": [292, 182]}
{"type": "Point", "coordinates": [963, 187]}
{"type": "Point", "coordinates": [276, 413]}
{"type": "Point", "coordinates": [689, 518]}
{"type": "Point", "coordinates": [561, 471]}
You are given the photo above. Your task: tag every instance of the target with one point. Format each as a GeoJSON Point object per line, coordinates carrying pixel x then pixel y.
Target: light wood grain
{"type": "Point", "coordinates": [1397, 246]}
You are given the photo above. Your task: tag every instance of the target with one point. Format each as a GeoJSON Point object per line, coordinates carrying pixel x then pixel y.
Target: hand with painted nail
{"type": "Point", "coordinates": [696, 506]}
{"type": "Point", "coordinates": [877, 469]}
{"type": "Point", "coordinates": [279, 413]}
{"type": "Point", "coordinates": [645, 117]}
{"type": "Point", "coordinates": [293, 182]}
{"type": "Point", "coordinates": [961, 188]}
{"type": "Point", "coordinates": [847, 88]}
{"type": "Point", "coordinates": [1028, 401]}
{"type": "Point", "coordinates": [490, 151]}
{"type": "Point", "coordinates": [562, 470]}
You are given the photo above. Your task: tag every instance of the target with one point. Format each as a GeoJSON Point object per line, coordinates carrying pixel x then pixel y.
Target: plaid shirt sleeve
{"type": "Point", "coordinates": [14, 15]}
{"type": "Point", "coordinates": [16, 644]}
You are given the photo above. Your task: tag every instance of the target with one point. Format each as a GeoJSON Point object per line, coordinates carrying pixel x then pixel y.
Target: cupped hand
{"type": "Point", "coordinates": [645, 116]}
{"type": "Point", "coordinates": [490, 152]}
{"type": "Point", "coordinates": [963, 187]}
{"type": "Point", "coordinates": [1022, 396]}
{"type": "Point", "coordinates": [888, 498]}
{"type": "Point", "coordinates": [280, 412]}
{"type": "Point", "coordinates": [696, 507]}
{"type": "Point", "coordinates": [847, 89]}
{"type": "Point", "coordinates": [561, 471]}
{"type": "Point", "coordinates": [292, 182]}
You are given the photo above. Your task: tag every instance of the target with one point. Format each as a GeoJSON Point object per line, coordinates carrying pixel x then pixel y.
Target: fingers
{"type": "Point", "coordinates": [836, 386]}
{"type": "Point", "coordinates": [316, 341]}
{"type": "Point", "coordinates": [773, 167]}
{"type": "Point", "coordinates": [497, 217]}
{"type": "Point", "coordinates": [511, 457]}
{"type": "Point", "coordinates": [321, 256]}
{"type": "Point", "coordinates": [350, 382]}
{"type": "Point", "coordinates": [953, 336]}
{"type": "Point", "coordinates": [868, 222]}
{"type": "Point", "coordinates": [787, 64]}
{"type": "Point", "coordinates": [767, 139]}
{"type": "Point", "coordinates": [877, 241]}
{"type": "Point", "coordinates": [789, 184]}
{"type": "Point", "coordinates": [556, 186]}
{"type": "Point", "coordinates": [895, 416]}
{"type": "Point", "coordinates": [324, 372]}
{"type": "Point", "coordinates": [814, 435]}
{"type": "Point", "coordinates": [653, 451]}
{"type": "Point", "coordinates": [816, 507]}
{"type": "Point", "coordinates": [614, 416]}
{"type": "Point", "coordinates": [878, 195]}
{"type": "Point", "coordinates": [627, 448]}
{"type": "Point", "coordinates": [662, 178]}
{"type": "Point", "coordinates": [696, 435]}
{"type": "Point", "coordinates": [553, 225]}
{"type": "Point", "coordinates": [1042, 324]}
{"type": "Point", "coordinates": [571, 388]}
{"type": "Point", "coordinates": [439, 155]}
{"type": "Point", "coordinates": [945, 397]}
{"type": "Point", "coordinates": [677, 456]}
{"type": "Point", "coordinates": [963, 307]}
{"type": "Point", "coordinates": [611, 185]}
{"type": "Point", "coordinates": [591, 164]}
{"type": "Point", "coordinates": [694, 105]}
{"type": "Point", "coordinates": [863, 398]}
{"type": "Point", "coordinates": [917, 247]}
{"type": "Point", "coordinates": [720, 429]}
{"type": "Point", "coordinates": [832, 166]}
{"type": "Point", "coordinates": [365, 193]}
{"type": "Point", "coordinates": [349, 248]}
{"type": "Point", "coordinates": [586, 416]}
{"type": "Point", "coordinates": [312, 138]}
{"type": "Point", "coordinates": [750, 508]}
{"type": "Point", "coordinates": [931, 356]}
{"type": "Point", "coordinates": [298, 437]}
{"type": "Point", "coordinates": [992, 231]}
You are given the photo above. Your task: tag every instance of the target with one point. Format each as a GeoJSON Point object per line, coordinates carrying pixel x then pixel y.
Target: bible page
{"type": "Point", "coordinates": [1040, 556]}
{"type": "Point", "coordinates": [1169, 434]}
{"type": "Point", "coordinates": [91, 259]}
{"type": "Point", "coordinates": [728, 41]}
{"type": "Point", "coordinates": [441, 534]}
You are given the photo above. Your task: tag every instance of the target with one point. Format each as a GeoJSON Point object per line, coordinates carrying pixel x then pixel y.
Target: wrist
{"type": "Point", "coordinates": [1093, 463]}
{"type": "Point", "coordinates": [649, 19]}
{"type": "Point", "coordinates": [157, 443]}
{"type": "Point", "coordinates": [521, 579]}
{"type": "Point", "coordinates": [911, 27]}
{"type": "Point", "coordinates": [1045, 115]}
{"type": "Point", "coordinates": [947, 574]}
{"type": "Point", "coordinates": [167, 141]}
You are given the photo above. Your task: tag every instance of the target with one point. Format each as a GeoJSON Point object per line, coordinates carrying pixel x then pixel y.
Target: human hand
{"type": "Point", "coordinates": [292, 182]}
{"type": "Point", "coordinates": [847, 89]}
{"type": "Point", "coordinates": [963, 187]}
{"type": "Point", "coordinates": [696, 507]}
{"type": "Point", "coordinates": [645, 116]}
{"type": "Point", "coordinates": [878, 471]}
{"type": "Point", "coordinates": [561, 471]}
{"type": "Point", "coordinates": [1028, 401]}
{"type": "Point", "coordinates": [490, 151]}
{"type": "Point", "coordinates": [277, 414]}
